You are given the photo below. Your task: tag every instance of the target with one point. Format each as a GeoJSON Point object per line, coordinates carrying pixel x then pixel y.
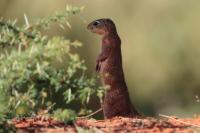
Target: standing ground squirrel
{"type": "Point", "coordinates": [116, 101]}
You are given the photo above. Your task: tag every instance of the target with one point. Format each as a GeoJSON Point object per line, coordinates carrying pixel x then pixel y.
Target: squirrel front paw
{"type": "Point", "coordinates": [98, 67]}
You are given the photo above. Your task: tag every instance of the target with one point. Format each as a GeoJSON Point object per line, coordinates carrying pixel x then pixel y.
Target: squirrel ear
{"type": "Point", "coordinates": [108, 19]}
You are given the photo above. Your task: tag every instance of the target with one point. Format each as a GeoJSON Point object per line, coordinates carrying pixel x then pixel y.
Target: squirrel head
{"type": "Point", "coordinates": [103, 26]}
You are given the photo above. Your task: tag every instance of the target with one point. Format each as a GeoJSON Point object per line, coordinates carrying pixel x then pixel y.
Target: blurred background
{"type": "Point", "coordinates": [160, 46]}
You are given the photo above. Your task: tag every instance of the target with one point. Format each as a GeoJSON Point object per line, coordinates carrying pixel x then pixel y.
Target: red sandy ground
{"type": "Point", "coordinates": [114, 125]}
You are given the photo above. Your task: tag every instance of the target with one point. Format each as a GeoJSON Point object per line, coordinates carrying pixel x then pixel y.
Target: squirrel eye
{"type": "Point", "coordinates": [96, 23]}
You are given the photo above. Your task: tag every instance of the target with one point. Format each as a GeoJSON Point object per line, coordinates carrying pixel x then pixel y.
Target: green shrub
{"type": "Point", "coordinates": [36, 70]}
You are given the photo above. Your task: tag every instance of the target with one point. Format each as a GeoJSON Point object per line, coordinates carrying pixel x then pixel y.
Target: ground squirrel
{"type": "Point", "coordinates": [116, 101]}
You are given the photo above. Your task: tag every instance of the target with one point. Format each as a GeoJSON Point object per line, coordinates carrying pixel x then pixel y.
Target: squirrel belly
{"type": "Point", "coordinates": [116, 101]}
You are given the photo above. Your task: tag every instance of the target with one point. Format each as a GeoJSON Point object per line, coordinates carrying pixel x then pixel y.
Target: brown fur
{"type": "Point", "coordinates": [109, 64]}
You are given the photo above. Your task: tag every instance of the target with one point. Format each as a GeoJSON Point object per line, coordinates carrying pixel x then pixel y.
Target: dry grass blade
{"type": "Point", "coordinates": [97, 111]}
{"type": "Point", "coordinates": [183, 122]}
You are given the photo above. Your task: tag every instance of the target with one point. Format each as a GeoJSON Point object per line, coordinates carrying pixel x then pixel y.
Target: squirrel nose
{"type": "Point", "coordinates": [90, 27]}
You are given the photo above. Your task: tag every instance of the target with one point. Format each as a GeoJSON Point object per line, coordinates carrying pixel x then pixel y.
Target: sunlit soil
{"type": "Point", "coordinates": [114, 125]}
